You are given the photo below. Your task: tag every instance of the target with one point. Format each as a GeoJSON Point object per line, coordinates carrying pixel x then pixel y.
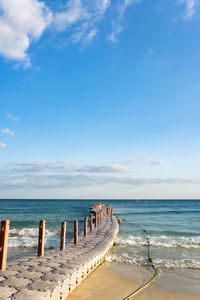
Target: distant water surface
{"type": "Point", "coordinates": [172, 227]}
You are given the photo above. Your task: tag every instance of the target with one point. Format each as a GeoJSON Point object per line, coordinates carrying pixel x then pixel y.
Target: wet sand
{"type": "Point", "coordinates": [116, 281]}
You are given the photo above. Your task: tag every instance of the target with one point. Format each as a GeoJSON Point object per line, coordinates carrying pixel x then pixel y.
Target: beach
{"type": "Point", "coordinates": [99, 150]}
{"type": "Point", "coordinates": [171, 227]}
{"type": "Point", "coordinates": [117, 281]}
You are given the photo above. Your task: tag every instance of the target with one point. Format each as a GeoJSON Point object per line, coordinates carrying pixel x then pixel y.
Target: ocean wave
{"type": "Point", "coordinates": [159, 262]}
{"type": "Point", "coordinates": [160, 241]}
{"type": "Point", "coordinates": [28, 238]}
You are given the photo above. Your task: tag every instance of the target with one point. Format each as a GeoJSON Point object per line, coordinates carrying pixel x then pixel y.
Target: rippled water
{"type": "Point", "coordinates": [24, 216]}
{"type": "Point", "coordinates": [171, 225]}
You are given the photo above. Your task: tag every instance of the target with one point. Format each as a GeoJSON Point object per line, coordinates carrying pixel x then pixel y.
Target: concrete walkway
{"type": "Point", "coordinates": [55, 275]}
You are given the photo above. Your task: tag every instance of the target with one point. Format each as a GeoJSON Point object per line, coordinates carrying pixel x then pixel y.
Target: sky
{"type": "Point", "coordinates": [100, 99]}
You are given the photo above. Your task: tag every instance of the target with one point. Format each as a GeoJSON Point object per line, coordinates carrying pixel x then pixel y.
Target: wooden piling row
{"type": "Point", "coordinates": [41, 236]}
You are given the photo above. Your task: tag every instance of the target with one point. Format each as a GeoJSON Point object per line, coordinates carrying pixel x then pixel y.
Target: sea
{"type": "Point", "coordinates": [171, 228]}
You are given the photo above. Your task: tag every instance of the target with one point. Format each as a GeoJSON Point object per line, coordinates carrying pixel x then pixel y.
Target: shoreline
{"type": "Point", "coordinates": [117, 280]}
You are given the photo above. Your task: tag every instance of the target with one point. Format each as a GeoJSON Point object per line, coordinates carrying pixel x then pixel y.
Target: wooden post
{"type": "Point", "coordinates": [95, 220]}
{"type": "Point", "coordinates": [41, 238]}
{"type": "Point", "coordinates": [76, 232]}
{"type": "Point", "coordinates": [111, 214]}
{"type": "Point", "coordinates": [4, 243]}
{"type": "Point", "coordinates": [91, 222]}
{"type": "Point", "coordinates": [107, 209]}
{"type": "Point", "coordinates": [85, 226]}
{"type": "Point", "coordinates": [101, 216]}
{"type": "Point", "coordinates": [62, 236]}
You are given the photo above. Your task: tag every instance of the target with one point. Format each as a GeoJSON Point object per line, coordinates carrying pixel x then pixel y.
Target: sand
{"type": "Point", "coordinates": [116, 281]}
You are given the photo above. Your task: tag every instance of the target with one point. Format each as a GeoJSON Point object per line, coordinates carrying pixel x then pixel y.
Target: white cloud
{"type": "Point", "coordinates": [82, 17]}
{"type": "Point", "coordinates": [83, 35]}
{"type": "Point", "coordinates": [41, 166]}
{"type": "Point", "coordinates": [190, 7]}
{"type": "Point", "coordinates": [148, 161]}
{"type": "Point", "coordinates": [159, 162]}
{"type": "Point", "coordinates": [12, 179]}
{"type": "Point", "coordinates": [9, 116]}
{"type": "Point", "coordinates": [116, 29]}
{"type": "Point", "coordinates": [3, 146]}
{"type": "Point", "coordinates": [37, 166]}
{"type": "Point", "coordinates": [24, 21]}
{"type": "Point", "coordinates": [89, 37]}
{"type": "Point", "coordinates": [73, 12]}
{"type": "Point", "coordinates": [113, 168]}
{"type": "Point", "coordinates": [21, 22]}
{"type": "Point", "coordinates": [79, 34]}
{"type": "Point", "coordinates": [7, 131]}
{"type": "Point", "coordinates": [56, 179]}
{"type": "Point", "coordinates": [103, 5]}
{"type": "Point", "coordinates": [125, 4]}
{"type": "Point", "coordinates": [117, 26]}
{"type": "Point", "coordinates": [79, 11]}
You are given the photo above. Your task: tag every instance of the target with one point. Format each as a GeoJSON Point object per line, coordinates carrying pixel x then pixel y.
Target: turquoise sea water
{"type": "Point", "coordinates": [172, 226]}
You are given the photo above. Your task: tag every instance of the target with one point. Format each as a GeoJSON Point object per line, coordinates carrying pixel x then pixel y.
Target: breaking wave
{"type": "Point", "coordinates": [160, 262]}
{"type": "Point", "coordinates": [166, 251]}
{"type": "Point", "coordinates": [160, 241]}
{"type": "Point", "coordinates": [28, 238]}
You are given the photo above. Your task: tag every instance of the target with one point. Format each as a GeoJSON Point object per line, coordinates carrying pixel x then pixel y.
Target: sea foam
{"type": "Point", "coordinates": [28, 238]}
{"type": "Point", "coordinates": [160, 241]}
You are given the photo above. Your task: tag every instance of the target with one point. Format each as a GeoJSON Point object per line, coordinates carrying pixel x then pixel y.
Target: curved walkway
{"type": "Point", "coordinates": [55, 275]}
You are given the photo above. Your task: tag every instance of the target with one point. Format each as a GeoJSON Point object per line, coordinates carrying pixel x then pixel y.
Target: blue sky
{"type": "Point", "coordinates": [99, 99]}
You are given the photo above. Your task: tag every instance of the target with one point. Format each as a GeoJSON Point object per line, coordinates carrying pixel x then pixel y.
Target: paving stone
{"type": "Point", "coordinates": [31, 295]}
{"type": "Point", "coordinates": [54, 277]}
{"type": "Point", "coordinates": [16, 282]}
{"type": "Point", "coordinates": [43, 270]}
{"type": "Point", "coordinates": [52, 287]}
{"type": "Point", "coordinates": [30, 264]}
{"type": "Point", "coordinates": [10, 273]}
{"type": "Point", "coordinates": [2, 278]}
{"type": "Point", "coordinates": [6, 292]}
{"type": "Point", "coordinates": [52, 264]}
{"type": "Point", "coordinates": [66, 272]}
{"type": "Point", "coordinates": [30, 275]}
{"type": "Point", "coordinates": [43, 285]}
{"type": "Point", "coordinates": [18, 268]}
